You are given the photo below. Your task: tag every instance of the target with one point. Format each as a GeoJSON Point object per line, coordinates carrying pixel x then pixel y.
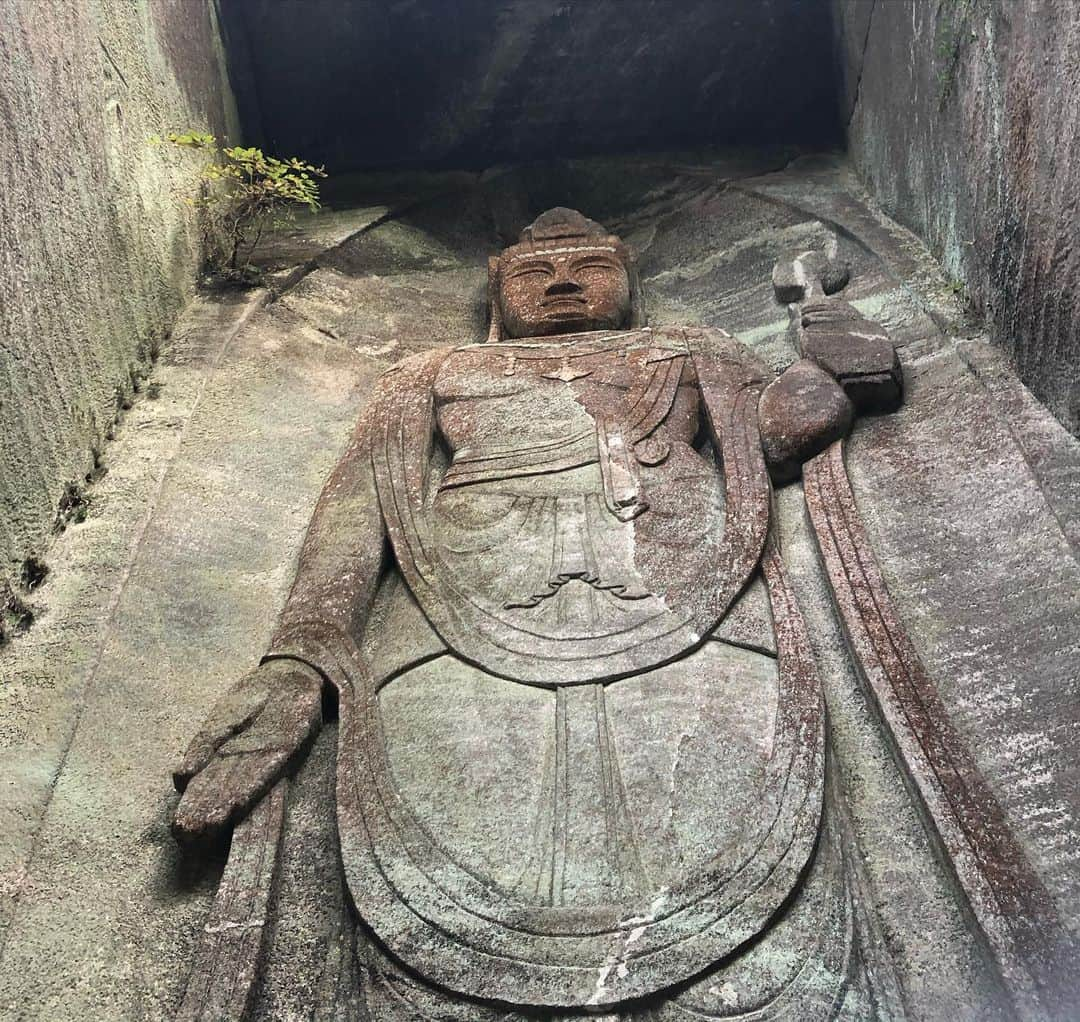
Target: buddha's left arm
{"type": "Point", "coordinates": [796, 415]}
{"type": "Point", "coordinates": [801, 413]}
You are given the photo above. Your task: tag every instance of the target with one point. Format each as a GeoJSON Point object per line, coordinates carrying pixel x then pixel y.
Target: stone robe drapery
{"type": "Point", "coordinates": [462, 927]}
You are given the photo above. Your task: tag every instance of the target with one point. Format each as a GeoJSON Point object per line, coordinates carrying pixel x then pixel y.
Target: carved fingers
{"type": "Point", "coordinates": [244, 746]}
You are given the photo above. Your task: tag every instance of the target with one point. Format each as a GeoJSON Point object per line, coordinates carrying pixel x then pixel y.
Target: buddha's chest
{"type": "Point", "coordinates": [535, 392]}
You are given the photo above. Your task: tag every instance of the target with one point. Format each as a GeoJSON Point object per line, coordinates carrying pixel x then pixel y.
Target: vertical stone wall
{"type": "Point", "coordinates": [962, 118]}
{"type": "Point", "coordinates": [97, 250]}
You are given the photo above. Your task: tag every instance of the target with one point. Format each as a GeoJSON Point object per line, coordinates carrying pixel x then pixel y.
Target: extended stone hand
{"type": "Point", "coordinates": [244, 746]}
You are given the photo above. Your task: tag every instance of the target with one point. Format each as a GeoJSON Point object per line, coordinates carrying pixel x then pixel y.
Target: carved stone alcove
{"type": "Point", "coordinates": [599, 564]}
{"type": "Point", "coordinates": [641, 705]}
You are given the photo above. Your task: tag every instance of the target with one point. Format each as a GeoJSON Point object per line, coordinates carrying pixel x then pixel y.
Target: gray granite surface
{"type": "Point", "coordinates": [170, 590]}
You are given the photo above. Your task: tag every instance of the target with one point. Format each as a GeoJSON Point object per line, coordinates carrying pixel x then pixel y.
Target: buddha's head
{"type": "Point", "coordinates": [565, 275]}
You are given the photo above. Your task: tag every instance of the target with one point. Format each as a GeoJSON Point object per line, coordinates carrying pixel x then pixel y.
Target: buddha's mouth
{"type": "Point", "coordinates": [565, 301]}
{"type": "Point", "coordinates": [566, 308]}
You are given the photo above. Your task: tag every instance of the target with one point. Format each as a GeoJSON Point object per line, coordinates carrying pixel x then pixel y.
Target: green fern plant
{"type": "Point", "coordinates": [242, 191]}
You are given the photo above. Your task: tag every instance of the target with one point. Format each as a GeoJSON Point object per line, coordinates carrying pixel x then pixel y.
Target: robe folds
{"type": "Point", "coordinates": [582, 744]}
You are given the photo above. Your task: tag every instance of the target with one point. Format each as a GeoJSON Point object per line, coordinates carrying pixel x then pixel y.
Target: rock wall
{"type": "Point", "coordinates": [171, 590]}
{"type": "Point", "coordinates": [962, 119]}
{"type": "Point", "coordinates": [358, 84]}
{"type": "Point", "coordinates": [97, 250]}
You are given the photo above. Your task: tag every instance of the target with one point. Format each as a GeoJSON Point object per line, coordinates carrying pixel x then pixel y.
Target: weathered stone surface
{"type": "Point", "coordinates": [98, 251]}
{"type": "Point", "coordinates": [808, 274]}
{"type": "Point", "coordinates": [107, 925]}
{"type": "Point", "coordinates": [234, 936]}
{"type": "Point", "coordinates": [107, 683]}
{"type": "Point", "coordinates": [961, 118]}
{"type": "Point", "coordinates": [853, 350]}
{"type": "Point", "coordinates": [980, 565]}
{"type": "Point", "coordinates": [938, 970]}
{"type": "Point", "coordinates": [801, 414]}
{"type": "Point", "coordinates": [1008, 897]}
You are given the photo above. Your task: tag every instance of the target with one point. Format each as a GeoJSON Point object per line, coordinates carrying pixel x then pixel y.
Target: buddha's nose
{"type": "Point", "coordinates": [563, 287]}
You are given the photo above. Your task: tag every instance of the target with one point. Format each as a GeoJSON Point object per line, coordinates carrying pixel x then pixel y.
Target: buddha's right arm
{"type": "Point", "coordinates": [257, 728]}
{"type": "Point", "coordinates": [339, 567]}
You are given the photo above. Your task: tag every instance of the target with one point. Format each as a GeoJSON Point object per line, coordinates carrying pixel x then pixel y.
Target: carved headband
{"type": "Point", "coordinates": [563, 251]}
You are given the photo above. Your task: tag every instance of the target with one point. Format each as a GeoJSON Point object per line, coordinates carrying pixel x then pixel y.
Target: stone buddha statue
{"type": "Point", "coordinates": [581, 764]}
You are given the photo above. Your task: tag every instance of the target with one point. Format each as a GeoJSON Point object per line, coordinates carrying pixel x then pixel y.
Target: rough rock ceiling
{"type": "Point", "coordinates": [467, 83]}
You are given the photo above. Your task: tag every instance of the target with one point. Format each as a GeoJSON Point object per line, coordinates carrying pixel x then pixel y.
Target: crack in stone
{"type": "Point", "coordinates": [857, 93]}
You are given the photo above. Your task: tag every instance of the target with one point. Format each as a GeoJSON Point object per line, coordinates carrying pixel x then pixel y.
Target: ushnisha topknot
{"type": "Point", "coordinates": [560, 222]}
{"type": "Point", "coordinates": [560, 228]}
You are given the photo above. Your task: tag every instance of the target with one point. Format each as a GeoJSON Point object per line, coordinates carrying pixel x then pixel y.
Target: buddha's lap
{"type": "Point", "coordinates": [473, 755]}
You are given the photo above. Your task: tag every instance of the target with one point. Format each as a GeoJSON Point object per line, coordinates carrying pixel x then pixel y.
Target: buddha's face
{"type": "Point", "coordinates": [561, 289]}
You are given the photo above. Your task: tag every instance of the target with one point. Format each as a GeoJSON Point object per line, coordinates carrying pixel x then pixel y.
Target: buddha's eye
{"type": "Point", "coordinates": [596, 266]}
{"type": "Point", "coordinates": [531, 272]}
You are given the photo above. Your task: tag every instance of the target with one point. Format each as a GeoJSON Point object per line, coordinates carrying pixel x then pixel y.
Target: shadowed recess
{"type": "Point", "coordinates": [356, 84]}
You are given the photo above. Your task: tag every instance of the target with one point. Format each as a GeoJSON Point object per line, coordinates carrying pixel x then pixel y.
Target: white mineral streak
{"type": "Point", "coordinates": [566, 250]}
{"type": "Point", "coordinates": [617, 963]}
{"type": "Point", "coordinates": [249, 924]}
{"type": "Point", "coordinates": [868, 337]}
{"type": "Point", "coordinates": [595, 339]}
{"type": "Point", "coordinates": [729, 995]}
{"type": "Point", "coordinates": [601, 983]}
{"type": "Point", "coordinates": [752, 336]}
{"type": "Point", "coordinates": [800, 272]}
{"type": "Point", "coordinates": [796, 234]}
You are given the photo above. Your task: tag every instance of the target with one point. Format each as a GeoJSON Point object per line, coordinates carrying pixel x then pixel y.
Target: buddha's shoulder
{"type": "Point", "coordinates": [417, 366]}
{"type": "Point", "coordinates": [706, 341]}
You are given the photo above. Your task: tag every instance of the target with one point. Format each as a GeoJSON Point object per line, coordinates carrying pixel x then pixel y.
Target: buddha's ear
{"type": "Point", "coordinates": [638, 317]}
{"type": "Point", "coordinates": [495, 331]}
